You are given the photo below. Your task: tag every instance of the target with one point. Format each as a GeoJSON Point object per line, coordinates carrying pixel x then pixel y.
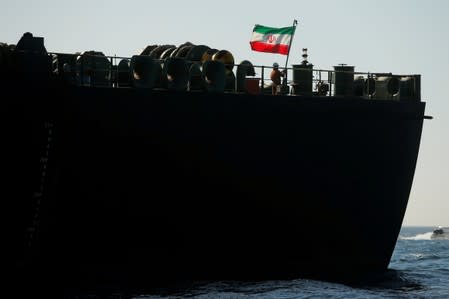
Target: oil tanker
{"type": "Point", "coordinates": [177, 164]}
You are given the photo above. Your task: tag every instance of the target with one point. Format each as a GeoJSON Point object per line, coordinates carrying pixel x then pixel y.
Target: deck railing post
{"type": "Point", "coordinates": [111, 83]}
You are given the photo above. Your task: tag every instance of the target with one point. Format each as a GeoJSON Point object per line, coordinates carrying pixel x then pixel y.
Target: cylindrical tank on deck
{"type": "Point", "coordinates": [208, 54]}
{"type": "Point", "coordinates": [2, 46]}
{"type": "Point", "coordinates": [167, 52]}
{"type": "Point", "coordinates": [370, 86]}
{"type": "Point", "coordinates": [124, 73]}
{"type": "Point", "coordinates": [214, 72]}
{"type": "Point", "coordinates": [196, 53]}
{"type": "Point", "coordinates": [147, 50]}
{"type": "Point", "coordinates": [407, 87]}
{"type": "Point", "coordinates": [302, 78]}
{"type": "Point", "coordinates": [226, 57]}
{"type": "Point", "coordinates": [387, 87]}
{"type": "Point", "coordinates": [176, 72]}
{"type": "Point", "coordinates": [159, 50]}
{"type": "Point", "coordinates": [146, 72]}
{"type": "Point", "coordinates": [344, 80]}
{"type": "Point", "coordinates": [94, 68]}
{"type": "Point", "coordinates": [5, 57]}
{"type": "Point", "coordinates": [6, 54]}
{"type": "Point", "coordinates": [196, 80]}
{"type": "Point", "coordinates": [244, 69]}
{"type": "Point", "coordinates": [359, 86]}
{"type": "Point", "coordinates": [182, 51]}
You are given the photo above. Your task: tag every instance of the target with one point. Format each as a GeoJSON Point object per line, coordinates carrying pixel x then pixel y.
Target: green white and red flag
{"type": "Point", "coordinates": [272, 40]}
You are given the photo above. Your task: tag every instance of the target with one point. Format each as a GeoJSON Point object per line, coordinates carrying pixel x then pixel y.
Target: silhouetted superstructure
{"type": "Point", "coordinates": [167, 166]}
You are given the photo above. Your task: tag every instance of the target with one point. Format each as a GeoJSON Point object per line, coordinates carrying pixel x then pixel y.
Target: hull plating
{"type": "Point", "coordinates": [172, 185]}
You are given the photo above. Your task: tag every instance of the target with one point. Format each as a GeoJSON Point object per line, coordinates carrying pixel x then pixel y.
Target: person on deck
{"type": "Point", "coordinates": [275, 77]}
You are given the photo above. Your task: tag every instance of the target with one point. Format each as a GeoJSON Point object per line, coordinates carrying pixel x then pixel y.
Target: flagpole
{"type": "Point", "coordinates": [295, 23]}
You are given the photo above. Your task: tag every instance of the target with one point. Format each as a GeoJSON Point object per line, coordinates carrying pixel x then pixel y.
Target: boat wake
{"type": "Point", "coordinates": [425, 236]}
{"type": "Point", "coordinates": [437, 234]}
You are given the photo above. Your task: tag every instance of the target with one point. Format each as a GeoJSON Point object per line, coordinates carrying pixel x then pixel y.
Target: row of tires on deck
{"type": "Point", "coordinates": [187, 67]}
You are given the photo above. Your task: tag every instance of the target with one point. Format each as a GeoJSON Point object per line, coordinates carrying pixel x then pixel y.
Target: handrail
{"type": "Point", "coordinates": [104, 71]}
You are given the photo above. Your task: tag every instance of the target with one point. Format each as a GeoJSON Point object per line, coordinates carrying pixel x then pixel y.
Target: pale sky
{"type": "Point", "coordinates": [398, 36]}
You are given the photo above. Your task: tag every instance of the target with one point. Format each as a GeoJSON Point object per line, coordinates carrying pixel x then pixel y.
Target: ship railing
{"type": "Point", "coordinates": [304, 80]}
{"type": "Point", "coordinates": [299, 80]}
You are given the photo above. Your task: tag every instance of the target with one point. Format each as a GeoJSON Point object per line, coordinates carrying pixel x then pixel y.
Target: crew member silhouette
{"type": "Point", "coordinates": [275, 77]}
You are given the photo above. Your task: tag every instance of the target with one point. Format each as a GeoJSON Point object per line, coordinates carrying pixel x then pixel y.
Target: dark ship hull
{"type": "Point", "coordinates": [173, 185]}
{"type": "Point", "coordinates": [141, 185]}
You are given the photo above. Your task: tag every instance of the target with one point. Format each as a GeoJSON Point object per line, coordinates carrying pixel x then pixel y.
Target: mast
{"type": "Point", "coordinates": [295, 23]}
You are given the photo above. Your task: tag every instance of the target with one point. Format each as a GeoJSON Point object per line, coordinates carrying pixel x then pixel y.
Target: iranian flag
{"type": "Point", "coordinates": [272, 40]}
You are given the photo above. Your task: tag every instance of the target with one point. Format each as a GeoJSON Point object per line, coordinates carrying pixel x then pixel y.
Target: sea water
{"type": "Point", "coordinates": [419, 268]}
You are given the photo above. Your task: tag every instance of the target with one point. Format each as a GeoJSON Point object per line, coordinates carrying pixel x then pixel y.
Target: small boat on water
{"type": "Point", "coordinates": [439, 232]}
